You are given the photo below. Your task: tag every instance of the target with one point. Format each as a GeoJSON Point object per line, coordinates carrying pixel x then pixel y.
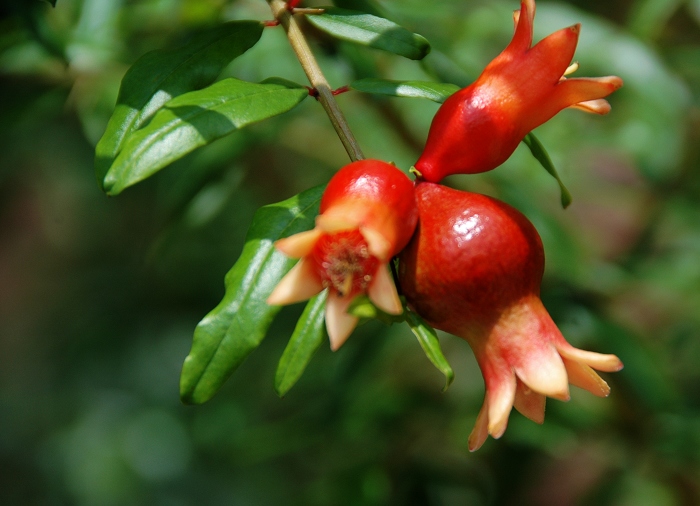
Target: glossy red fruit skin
{"type": "Point", "coordinates": [381, 190]}
{"type": "Point", "coordinates": [372, 180]}
{"type": "Point", "coordinates": [472, 132]}
{"type": "Point", "coordinates": [473, 269]}
{"type": "Point", "coordinates": [471, 256]}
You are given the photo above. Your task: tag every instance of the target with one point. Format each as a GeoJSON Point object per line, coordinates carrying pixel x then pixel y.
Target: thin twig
{"type": "Point", "coordinates": [316, 78]}
{"type": "Point", "coordinates": [304, 10]}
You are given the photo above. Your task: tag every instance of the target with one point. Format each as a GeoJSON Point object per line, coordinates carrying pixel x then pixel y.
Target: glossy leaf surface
{"type": "Point", "coordinates": [437, 92]}
{"type": "Point", "coordinates": [161, 75]}
{"type": "Point", "coordinates": [540, 153]}
{"type": "Point", "coordinates": [428, 339]}
{"type": "Point", "coordinates": [195, 119]}
{"type": "Point", "coordinates": [372, 31]}
{"type": "Point", "coordinates": [232, 330]}
{"type": "Point", "coordinates": [308, 335]}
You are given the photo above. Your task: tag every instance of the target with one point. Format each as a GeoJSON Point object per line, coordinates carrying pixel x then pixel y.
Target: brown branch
{"type": "Point", "coordinates": [318, 81]}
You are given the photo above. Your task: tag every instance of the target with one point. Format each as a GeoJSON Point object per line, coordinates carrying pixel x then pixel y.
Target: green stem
{"type": "Point", "coordinates": [316, 78]}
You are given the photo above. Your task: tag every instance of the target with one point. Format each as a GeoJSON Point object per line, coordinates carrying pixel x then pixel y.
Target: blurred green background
{"type": "Point", "coordinates": [99, 296]}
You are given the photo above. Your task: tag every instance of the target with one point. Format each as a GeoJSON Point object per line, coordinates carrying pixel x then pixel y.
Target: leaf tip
{"type": "Point", "coordinates": [449, 378]}
{"type": "Point", "coordinates": [190, 394]}
{"type": "Point", "coordinates": [423, 47]}
{"type": "Point", "coordinates": [281, 389]}
{"type": "Point", "coordinates": [187, 395]}
{"type": "Point", "coordinates": [112, 191]}
{"type": "Point", "coordinates": [566, 198]}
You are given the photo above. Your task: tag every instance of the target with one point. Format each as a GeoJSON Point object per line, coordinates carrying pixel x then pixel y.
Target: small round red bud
{"type": "Point", "coordinates": [367, 215]}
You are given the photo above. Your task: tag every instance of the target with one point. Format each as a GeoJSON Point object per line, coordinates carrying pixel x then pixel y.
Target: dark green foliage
{"type": "Point", "coordinates": [230, 332]}
{"type": "Point", "coordinates": [308, 335]}
{"type": "Point", "coordinates": [428, 339]}
{"type": "Point", "coordinates": [540, 153]}
{"type": "Point", "coordinates": [193, 120]}
{"type": "Point", "coordinates": [163, 74]}
{"type": "Point", "coordinates": [437, 92]}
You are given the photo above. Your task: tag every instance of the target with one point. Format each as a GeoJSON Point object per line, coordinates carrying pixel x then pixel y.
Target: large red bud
{"type": "Point", "coordinates": [473, 269]}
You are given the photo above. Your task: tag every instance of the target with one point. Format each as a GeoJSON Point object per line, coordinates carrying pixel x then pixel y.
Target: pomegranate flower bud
{"type": "Point", "coordinates": [474, 269]}
{"type": "Point", "coordinates": [367, 215]}
{"type": "Point", "coordinates": [479, 127]}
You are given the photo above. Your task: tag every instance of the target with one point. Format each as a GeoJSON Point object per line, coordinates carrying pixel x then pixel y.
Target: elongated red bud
{"type": "Point", "coordinates": [479, 127]}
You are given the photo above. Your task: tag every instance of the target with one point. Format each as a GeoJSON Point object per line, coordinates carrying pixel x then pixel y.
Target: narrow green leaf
{"type": "Point", "coordinates": [193, 120]}
{"type": "Point", "coordinates": [161, 75]}
{"type": "Point", "coordinates": [538, 151]}
{"type": "Point", "coordinates": [437, 92]}
{"type": "Point", "coordinates": [308, 335]}
{"type": "Point", "coordinates": [232, 330]}
{"type": "Point", "coordinates": [372, 31]}
{"type": "Point", "coordinates": [428, 339]}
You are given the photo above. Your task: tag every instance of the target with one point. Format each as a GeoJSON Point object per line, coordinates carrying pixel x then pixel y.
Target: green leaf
{"type": "Point", "coordinates": [232, 330]}
{"type": "Point", "coordinates": [193, 120]}
{"type": "Point", "coordinates": [428, 339]}
{"type": "Point", "coordinates": [308, 335]}
{"type": "Point", "coordinates": [437, 92]}
{"type": "Point", "coordinates": [160, 75]}
{"type": "Point", "coordinates": [538, 151]}
{"type": "Point", "coordinates": [372, 31]}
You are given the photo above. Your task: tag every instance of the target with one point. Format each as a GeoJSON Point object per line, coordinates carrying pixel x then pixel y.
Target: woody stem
{"type": "Point", "coordinates": [316, 78]}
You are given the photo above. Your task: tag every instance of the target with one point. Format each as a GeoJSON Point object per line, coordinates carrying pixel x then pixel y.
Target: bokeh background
{"type": "Point", "coordinates": [99, 296]}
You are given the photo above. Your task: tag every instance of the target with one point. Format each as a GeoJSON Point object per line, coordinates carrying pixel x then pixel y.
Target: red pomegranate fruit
{"type": "Point", "coordinates": [367, 215]}
{"type": "Point", "coordinates": [473, 269]}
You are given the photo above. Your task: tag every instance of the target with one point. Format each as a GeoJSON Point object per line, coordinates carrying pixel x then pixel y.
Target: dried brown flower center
{"type": "Point", "coordinates": [344, 263]}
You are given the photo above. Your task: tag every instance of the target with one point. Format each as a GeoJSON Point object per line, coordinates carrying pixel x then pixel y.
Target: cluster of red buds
{"type": "Point", "coordinates": [469, 264]}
